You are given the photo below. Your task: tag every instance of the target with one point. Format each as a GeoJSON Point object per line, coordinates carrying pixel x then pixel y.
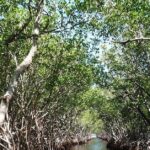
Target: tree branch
{"type": "Point", "coordinates": [24, 36]}
{"type": "Point", "coordinates": [132, 40]}
{"type": "Point", "coordinates": [22, 67]}
{"type": "Point", "coordinates": [15, 36]}
{"type": "Point", "coordinates": [143, 115]}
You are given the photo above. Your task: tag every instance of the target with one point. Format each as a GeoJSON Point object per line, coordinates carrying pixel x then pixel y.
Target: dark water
{"type": "Point", "coordinates": [95, 144]}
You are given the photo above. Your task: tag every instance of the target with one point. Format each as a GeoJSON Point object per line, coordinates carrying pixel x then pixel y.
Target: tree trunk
{"type": "Point", "coordinates": [22, 67]}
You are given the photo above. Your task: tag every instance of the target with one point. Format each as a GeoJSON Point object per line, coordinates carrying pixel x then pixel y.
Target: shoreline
{"type": "Point", "coordinates": [121, 145]}
{"type": "Point", "coordinates": [67, 144]}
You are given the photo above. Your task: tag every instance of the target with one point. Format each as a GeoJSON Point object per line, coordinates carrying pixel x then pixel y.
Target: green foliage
{"type": "Point", "coordinates": [90, 120]}
{"type": "Point", "coordinates": [67, 79]}
{"type": "Point", "coordinates": [48, 93]}
{"type": "Point", "coordinates": [128, 65]}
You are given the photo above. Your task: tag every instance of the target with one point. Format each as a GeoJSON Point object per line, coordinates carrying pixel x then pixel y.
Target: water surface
{"type": "Point", "coordinates": [95, 144]}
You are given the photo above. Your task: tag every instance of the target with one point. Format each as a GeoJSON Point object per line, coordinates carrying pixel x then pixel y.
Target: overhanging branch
{"type": "Point", "coordinates": [133, 40]}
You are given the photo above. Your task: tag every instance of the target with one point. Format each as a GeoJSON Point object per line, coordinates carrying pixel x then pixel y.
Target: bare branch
{"type": "Point", "coordinates": [132, 40]}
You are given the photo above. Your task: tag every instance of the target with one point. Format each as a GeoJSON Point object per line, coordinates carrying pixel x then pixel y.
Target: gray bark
{"type": "Point", "coordinates": [21, 68]}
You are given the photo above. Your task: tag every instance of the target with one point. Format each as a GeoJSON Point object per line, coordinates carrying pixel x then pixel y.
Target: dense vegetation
{"type": "Point", "coordinates": [73, 67]}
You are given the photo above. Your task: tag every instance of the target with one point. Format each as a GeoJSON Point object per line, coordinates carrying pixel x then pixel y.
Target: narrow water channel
{"type": "Point", "coordinates": [95, 144]}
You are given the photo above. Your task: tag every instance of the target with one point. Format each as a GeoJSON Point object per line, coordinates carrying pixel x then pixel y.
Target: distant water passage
{"type": "Point", "coordinates": [94, 144]}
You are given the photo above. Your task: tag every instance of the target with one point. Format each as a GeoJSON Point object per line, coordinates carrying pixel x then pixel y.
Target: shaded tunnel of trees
{"type": "Point", "coordinates": [69, 68]}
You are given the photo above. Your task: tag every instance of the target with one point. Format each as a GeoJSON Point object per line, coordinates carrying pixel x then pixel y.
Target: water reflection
{"type": "Point", "coordinates": [95, 144]}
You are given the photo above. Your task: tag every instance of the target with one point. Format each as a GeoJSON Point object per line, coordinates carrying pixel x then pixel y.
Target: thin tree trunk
{"type": "Point", "coordinates": [143, 115]}
{"type": "Point", "coordinates": [22, 67]}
